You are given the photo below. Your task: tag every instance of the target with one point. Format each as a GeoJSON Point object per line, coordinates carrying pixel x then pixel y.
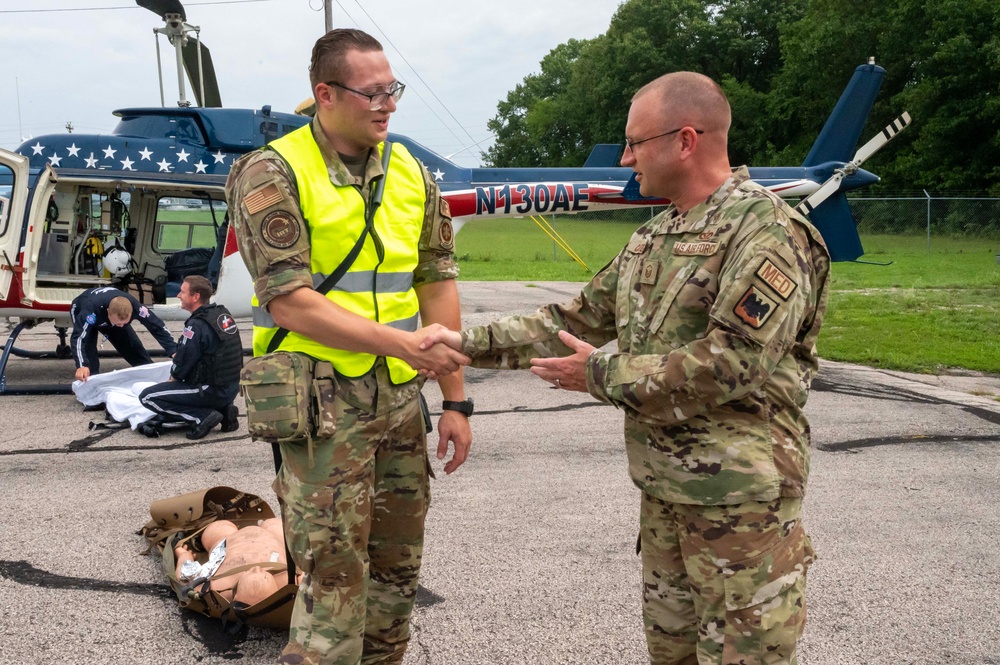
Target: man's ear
{"type": "Point", "coordinates": [323, 94]}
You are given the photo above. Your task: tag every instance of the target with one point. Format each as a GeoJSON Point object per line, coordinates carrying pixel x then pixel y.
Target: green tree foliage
{"type": "Point", "coordinates": [582, 94]}
{"type": "Point", "coordinates": [783, 64]}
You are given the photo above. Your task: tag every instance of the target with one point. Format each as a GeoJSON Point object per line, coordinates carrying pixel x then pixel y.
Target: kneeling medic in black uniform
{"type": "Point", "coordinates": [205, 376]}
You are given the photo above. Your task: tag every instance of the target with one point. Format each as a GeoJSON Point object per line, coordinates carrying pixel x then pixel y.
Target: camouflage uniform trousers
{"type": "Point", "coordinates": [723, 585]}
{"type": "Point", "coordinates": [354, 524]}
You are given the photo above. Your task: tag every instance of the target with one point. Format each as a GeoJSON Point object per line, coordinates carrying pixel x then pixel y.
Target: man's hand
{"type": "Point", "coordinates": [569, 373]}
{"type": "Point", "coordinates": [454, 426]}
{"type": "Point", "coordinates": [441, 335]}
{"type": "Point", "coordinates": [432, 359]}
{"type": "Point", "coordinates": [82, 373]}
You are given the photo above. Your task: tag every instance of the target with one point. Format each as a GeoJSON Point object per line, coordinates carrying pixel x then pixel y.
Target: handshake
{"type": "Point", "coordinates": [435, 351]}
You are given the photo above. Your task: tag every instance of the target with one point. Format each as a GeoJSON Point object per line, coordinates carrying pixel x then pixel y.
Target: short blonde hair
{"type": "Point", "coordinates": [120, 307]}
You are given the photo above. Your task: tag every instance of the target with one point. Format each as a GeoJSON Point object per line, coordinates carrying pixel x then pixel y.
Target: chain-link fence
{"type": "Point", "coordinates": [889, 224]}
{"type": "Point", "coordinates": [942, 224]}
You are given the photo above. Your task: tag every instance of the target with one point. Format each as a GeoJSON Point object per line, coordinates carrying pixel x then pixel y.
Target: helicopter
{"type": "Point", "coordinates": [144, 206]}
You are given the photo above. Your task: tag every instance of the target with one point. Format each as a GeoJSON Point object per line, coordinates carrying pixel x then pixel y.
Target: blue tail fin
{"type": "Point", "coordinates": [604, 155]}
{"type": "Point", "coordinates": [833, 219]}
{"type": "Point", "coordinates": [838, 139]}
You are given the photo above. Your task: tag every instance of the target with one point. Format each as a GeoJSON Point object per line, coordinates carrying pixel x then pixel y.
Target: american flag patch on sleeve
{"type": "Point", "coordinates": [262, 198]}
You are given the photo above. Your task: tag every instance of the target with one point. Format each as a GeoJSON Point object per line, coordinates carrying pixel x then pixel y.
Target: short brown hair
{"type": "Point", "coordinates": [327, 62]}
{"type": "Point", "coordinates": [121, 308]}
{"type": "Point", "coordinates": [199, 286]}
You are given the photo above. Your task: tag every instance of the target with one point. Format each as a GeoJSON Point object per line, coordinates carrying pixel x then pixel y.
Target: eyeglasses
{"type": "Point", "coordinates": [376, 100]}
{"type": "Point", "coordinates": [630, 144]}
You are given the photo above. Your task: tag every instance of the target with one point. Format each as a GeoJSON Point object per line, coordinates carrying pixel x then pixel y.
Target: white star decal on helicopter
{"type": "Point", "coordinates": [109, 152]}
{"type": "Point", "coordinates": [54, 160]}
{"type": "Point", "coordinates": [127, 164]}
{"type": "Point", "coordinates": [220, 158]}
{"type": "Point", "coordinates": [164, 166]}
{"type": "Point", "coordinates": [182, 156]}
{"type": "Point", "coordinates": [145, 153]}
{"type": "Point", "coordinates": [91, 161]}
{"type": "Point", "coordinates": [73, 150]}
{"type": "Point", "coordinates": [438, 175]}
{"type": "Point", "coordinates": [200, 167]}
{"type": "Point", "coordinates": [37, 148]}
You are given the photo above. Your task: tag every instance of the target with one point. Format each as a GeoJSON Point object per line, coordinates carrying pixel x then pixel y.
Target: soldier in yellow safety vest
{"type": "Point", "coordinates": [355, 490]}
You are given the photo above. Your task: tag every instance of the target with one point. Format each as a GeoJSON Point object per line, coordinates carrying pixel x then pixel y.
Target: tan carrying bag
{"type": "Point", "coordinates": [180, 520]}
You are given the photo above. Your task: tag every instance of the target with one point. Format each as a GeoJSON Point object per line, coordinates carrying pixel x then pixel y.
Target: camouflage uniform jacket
{"type": "Point", "coordinates": [267, 181]}
{"type": "Point", "coordinates": [716, 312]}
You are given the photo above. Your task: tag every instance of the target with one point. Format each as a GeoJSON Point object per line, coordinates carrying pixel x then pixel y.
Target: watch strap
{"type": "Point", "coordinates": [464, 406]}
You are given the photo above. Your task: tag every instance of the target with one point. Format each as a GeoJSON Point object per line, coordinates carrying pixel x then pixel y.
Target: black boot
{"type": "Point", "coordinates": [231, 423]}
{"type": "Point", "coordinates": [205, 426]}
{"type": "Point", "coordinates": [152, 427]}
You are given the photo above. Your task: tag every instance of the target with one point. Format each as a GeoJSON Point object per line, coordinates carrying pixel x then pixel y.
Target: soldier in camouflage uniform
{"type": "Point", "coordinates": [354, 500]}
{"type": "Point", "coordinates": [716, 305]}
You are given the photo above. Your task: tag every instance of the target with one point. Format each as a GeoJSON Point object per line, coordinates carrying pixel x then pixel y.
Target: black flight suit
{"type": "Point", "coordinates": [90, 317]}
{"type": "Point", "coordinates": [205, 372]}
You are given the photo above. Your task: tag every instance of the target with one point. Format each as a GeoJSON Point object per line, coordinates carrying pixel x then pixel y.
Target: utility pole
{"type": "Point", "coordinates": [328, 12]}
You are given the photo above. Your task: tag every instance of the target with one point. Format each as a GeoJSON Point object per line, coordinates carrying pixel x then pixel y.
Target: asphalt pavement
{"type": "Point", "coordinates": [530, 555]}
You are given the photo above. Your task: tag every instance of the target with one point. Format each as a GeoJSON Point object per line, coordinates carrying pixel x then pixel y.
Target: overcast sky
{"type": "Point", "coordinates": [79, 66]}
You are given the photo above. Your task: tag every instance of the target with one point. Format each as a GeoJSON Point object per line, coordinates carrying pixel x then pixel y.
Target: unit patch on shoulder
{"type": "Point", "coordinates": [695, 248]}
{"type": "Point", "coordinates": [143, 312]}
{"type": "Point", "coordinates": [279, 230]}
{"type": "Point", "coordinates": [774, 277]}
{"type": "Point", "coordinates": [91, 318]}
{"type": "Point", "coordinates": [446, 233]}
{"type": "Point", "coordinates": [188, 332]}
{"type": "Point", "coordinates": [262, 197]}
{"type": "Point", "coordinates": [754, 308]}
{"type": "Point", "coordinates": [226, 324]}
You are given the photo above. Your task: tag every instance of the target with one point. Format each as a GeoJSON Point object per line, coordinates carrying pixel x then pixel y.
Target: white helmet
{"type": "Point", "coordinates": [118, 262]}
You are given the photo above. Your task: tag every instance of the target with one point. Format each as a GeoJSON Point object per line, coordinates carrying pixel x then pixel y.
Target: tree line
{"type": "Point", "coordinates": [783, 65]}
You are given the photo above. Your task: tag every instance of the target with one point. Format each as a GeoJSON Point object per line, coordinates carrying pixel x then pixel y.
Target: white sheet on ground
{"type": "Point", "coordinates": [119, 391]}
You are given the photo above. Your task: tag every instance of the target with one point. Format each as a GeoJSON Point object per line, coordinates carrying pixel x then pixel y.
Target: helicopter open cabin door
{"type": "Point", "coordinates": [13, 196]}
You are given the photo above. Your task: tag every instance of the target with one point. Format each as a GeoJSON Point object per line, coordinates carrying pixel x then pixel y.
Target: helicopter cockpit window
{"type": "Point", "coordinates": [156, 126]}
{"type": "Point", "coordinates": [182, 223]}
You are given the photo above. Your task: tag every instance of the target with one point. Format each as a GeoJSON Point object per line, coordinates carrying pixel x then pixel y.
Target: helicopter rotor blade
{"type": "Point", "coordinates": [880, 139]}
{"type": "Point", "coordinates": [832, 184]}
{"type": "Point", "coordinates": [163, 7]}
{"type": "Point", "coordinates": [190, 54]}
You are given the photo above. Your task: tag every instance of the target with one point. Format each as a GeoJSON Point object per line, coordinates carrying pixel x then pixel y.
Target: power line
{"type": "Point", "coordinates": [413, 69]}
{"type": "Point", "coordinates": [96, 9]}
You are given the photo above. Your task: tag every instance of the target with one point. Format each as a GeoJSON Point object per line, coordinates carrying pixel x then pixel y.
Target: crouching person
{"type": "Point", "coordinates": [205, 376]}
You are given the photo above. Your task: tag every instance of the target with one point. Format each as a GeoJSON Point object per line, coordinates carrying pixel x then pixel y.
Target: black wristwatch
{"type": "Point", "coordinates": [462, 407]}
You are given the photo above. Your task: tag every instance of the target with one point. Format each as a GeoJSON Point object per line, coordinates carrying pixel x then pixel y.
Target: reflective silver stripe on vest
{"type": "Point", "coordinates": [361, 282]}
{"type": "Point", "coordinates": [262, 319]}
{"type": "Point", "coordinates": [406, 325]}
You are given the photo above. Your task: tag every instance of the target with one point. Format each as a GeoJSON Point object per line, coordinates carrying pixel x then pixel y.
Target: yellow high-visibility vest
{"type": "Point", "coordinates": [335, 216]}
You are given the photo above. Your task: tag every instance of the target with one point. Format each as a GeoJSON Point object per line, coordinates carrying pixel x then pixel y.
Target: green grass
{"type": "Point", "coordinates": [925, 312]}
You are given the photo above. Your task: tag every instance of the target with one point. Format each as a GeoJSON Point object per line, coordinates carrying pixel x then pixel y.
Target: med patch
{"type": "Point", "coordinates": [754, 308]}
{"type": "Point", "coordinates": [280, 230]}
{"type": "Point", "coordinates": [776, 279]}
